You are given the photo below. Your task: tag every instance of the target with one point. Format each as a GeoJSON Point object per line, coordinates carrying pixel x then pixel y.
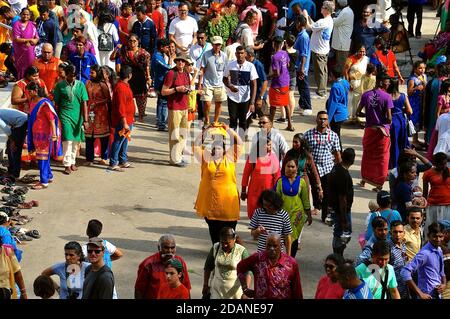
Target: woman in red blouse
{"type": "Point", "coordinates": [328, 286]}
{"type": "Point", "coordinates": [436, 188]}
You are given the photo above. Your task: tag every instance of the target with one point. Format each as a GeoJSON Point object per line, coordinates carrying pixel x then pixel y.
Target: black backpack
{"type": "Point", "coordinates": [105, 40]}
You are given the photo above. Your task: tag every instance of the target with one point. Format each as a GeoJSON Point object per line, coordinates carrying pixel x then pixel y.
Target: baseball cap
{"type": "Point", "coordinates": [3, 218]}
{"type": "Point", "coordinates": [96, 241]}
{"type": "Point", "coordinates": [217, 39]}
{"type": "Point", "coordinates": [445, 224]}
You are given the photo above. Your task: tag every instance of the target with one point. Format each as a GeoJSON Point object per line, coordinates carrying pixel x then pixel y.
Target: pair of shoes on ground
{"type": "Point", "coordinates": [28, 236]}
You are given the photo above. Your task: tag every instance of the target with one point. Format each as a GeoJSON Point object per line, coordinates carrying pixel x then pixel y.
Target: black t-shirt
{"type": "Point", "coordinates": [98, 284]}
{"type": "Point", "coordinates": [340, 183]}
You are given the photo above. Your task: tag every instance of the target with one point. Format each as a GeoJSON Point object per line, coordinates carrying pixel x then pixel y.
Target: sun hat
{"type": "Point", "coordinates": [217, 39]}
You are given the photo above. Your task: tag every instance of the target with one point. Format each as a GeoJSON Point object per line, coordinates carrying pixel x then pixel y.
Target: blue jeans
{"type": "Point", "coordinates": [304, 100]}
{"type": "Point", "coordinates": [161, 111]}
{"type": "Point", "coordinates": [119, 148]}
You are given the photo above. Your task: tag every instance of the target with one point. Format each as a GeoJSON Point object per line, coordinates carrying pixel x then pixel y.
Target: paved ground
{"type": "Point", "coordinates": [152, 199]}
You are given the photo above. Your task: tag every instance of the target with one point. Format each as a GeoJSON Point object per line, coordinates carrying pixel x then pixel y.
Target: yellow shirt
{"type": "Point", "coordinates": [5, 275]}
{"type": "Point", "coordinates": [35, 11]}
{"type": "Point", "coordinates": [413, 242]}
{"type": "Point", "coordinates": [368, 82]}
{"type": "Point", "coordinates": [218, 196]}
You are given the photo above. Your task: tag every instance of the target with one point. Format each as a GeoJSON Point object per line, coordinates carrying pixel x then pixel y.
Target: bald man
{"type": "Point", "coordinates": [48, 67]}
{"type": "Point", "coordinates": [276, 273]}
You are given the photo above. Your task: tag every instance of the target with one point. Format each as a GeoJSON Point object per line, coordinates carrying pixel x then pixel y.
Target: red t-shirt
{"type": "Point", "coordinates": [158, 20]}
{"type": "Point", "coordinates": [122, 104]}
{"type": "Point", "coordinates": [326, 289]}
{"type": "Point", "coordinates": [151, 280]}
{"type": "Point", "coordinates": [177, 101]}
{"type": "Point", "coordinates": [123, 24]}
{"type": "Point", "coordinates": [439, 194]}
{"type": "Point", "coordinates": [180, 292]}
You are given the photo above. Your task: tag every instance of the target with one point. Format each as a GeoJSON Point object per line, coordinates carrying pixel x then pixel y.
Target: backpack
{"type": "Point", "coordinates": [105, 40]}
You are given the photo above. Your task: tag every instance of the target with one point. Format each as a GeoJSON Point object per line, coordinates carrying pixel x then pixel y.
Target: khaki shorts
{"type": "Point", "coordinates": [216, 93]}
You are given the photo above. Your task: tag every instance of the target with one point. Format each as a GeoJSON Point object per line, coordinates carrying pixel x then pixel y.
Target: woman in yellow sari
{"type": "Point", "coordinates": [218, 196]}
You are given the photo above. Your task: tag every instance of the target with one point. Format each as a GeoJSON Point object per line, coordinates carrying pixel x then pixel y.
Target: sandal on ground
{"type": "Point", "coordinates": [291, 129]}
{"type": "Point", "coordinates": [28, 205]}
{"type": "Point", "coordinates": [73, 168]}
{"type": "Point", "coordinates": [103, 162]}
{"type": "Point", "coordinates": [126, 165]}
{"type": "Point", "coordinates": [21, 190]}
{"type": "Point", "coordinates": [50, 180]}
{"type": "Point", "coordinates": [67, 171]}
{"type": "Point", "coordinates": [116, 168]}
{"type": "Point", "coordinates": [361, 184]}
{"type": "Point", "coordinates": [23, 237]}
{"type": "Point", "coordinates": [33, 233]}
{"type": "Point", "coordinates": [7, 190]}
{"type": "Point", "coordinates": [39, 186]}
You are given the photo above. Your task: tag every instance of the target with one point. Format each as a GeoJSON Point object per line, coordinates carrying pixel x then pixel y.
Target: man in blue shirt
{"type": "Point", "coordinates": [145, 29]}
{"type": "Point", "coordinates": [349, 280]}
{"type": "Point", "coordinates": [158, 71]}
{"type": "Point", "coordinates": [380, 232]}
{"type": "Point", "coordinates": [82, 60]}
{"type": "Point", "coordinates": [337, 101]}
{"type": "Point", "coordinates": [429, 265]}
{"type": "Point", "coordinates": [304, 55]}
{"type": "Point", "coordinates": [261, 82]}
{"type": "Point", "coordinates": [14, 124]}
{"type": "Point", "coordinates": [46, 27]}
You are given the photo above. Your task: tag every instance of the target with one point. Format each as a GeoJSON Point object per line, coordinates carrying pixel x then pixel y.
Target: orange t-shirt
{"type": "Point", "coordinates": [180, 292]}
{"type": "Point", "coordinates": [439, 194]}
{"type": "Point", "coordinates": [48, 72]}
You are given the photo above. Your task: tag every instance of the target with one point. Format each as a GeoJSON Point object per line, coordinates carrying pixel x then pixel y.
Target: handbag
{"type": "Point", "coordinates": [410, 128]}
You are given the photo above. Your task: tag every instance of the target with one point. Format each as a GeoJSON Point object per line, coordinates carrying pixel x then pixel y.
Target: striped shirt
{"type": "Point", "coordinates": [398, 261]}
{"type": "Point", "coordinates": [360, 292]}
{"type": "Point", "coordinates": [278, 223]}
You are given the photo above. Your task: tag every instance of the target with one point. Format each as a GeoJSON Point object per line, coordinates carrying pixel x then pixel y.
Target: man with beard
{"type": "Point", "coordinates": [151, 278]}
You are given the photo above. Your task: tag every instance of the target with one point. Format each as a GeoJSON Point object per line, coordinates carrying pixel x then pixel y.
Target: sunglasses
{"type": "Point", "coordinates": [329, 266]}
{"type": "Point", "coordinates": [96, 251]}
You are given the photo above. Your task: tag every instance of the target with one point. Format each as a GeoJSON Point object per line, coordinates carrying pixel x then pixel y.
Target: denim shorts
{"type": "Point", "coordinates": [293, 83]}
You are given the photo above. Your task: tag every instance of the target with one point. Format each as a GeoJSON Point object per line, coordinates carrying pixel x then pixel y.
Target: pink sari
{"type": "Point", "coordinates": [23, 54]}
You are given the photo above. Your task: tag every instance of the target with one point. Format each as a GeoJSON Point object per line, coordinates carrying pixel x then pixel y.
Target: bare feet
{"type": "Point", "coordinates": [67, 170]}
{"type": "Point", "coordinates": [73, 168]}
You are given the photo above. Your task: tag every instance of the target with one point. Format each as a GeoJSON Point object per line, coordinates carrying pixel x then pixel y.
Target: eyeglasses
{"type": "Point", "coordinates": [182, 11]}
{"type": "Point", "coordinates": [96, 251]}
{"type": "Point", "coordinates": [71, 255]}
{"type": "Point", "coordinates": [329, 266]}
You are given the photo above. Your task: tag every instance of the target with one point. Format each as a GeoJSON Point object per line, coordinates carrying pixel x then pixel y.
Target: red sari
{"type": "Point", "coordinates": [262, 175]}
{"type": "Point", "coordinates": [375, 158]}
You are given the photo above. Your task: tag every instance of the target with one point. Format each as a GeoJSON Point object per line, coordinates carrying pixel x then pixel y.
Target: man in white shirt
{"type": "Point", "coordinates": [240, 79]}
{"type": "Point", "coordinates": [183, 29]}
{"type": "Point", "coordinates": [320, 47]}
{"type": "Point", "coordinates": [342, 31]}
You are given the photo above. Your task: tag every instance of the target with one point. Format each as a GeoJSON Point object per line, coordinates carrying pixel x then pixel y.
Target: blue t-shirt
{"type": "Point", "coordinates": [338, 101]}
{"type": "Point", "coordinates": [389, 214]}
{"type": "Point", "coordinates": [302, 47]}
{"type": "Point", "coordinates": [83, 65]}
{"type": "Point", "coordinates": [7, 239]}
{"type": "Point", "coordinates": [261, 77]}
{"type": "Point", "coordinates": [75, 281]}
{"type": "Point", "coordinates": [158, 70]}
{"type": "Point", "coordinates": [402, 194]}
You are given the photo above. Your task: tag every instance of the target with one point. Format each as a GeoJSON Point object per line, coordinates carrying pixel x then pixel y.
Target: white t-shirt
{"type": "Point", "coordinates": [321, 35]}
{"type": "Point", "coordinates": [91, 33]}
{"type": "Point", "coordinates": [197, 52]}
{"type": "Point", "coordinates": [230, 51]}
{"type": "Point", "coordinates": [342, 30]}
{"type": "Point", "coordinates": [183, 30]}
{"type": "Point", "coordinates": [247, 37]}
{"type": "Point", "coordinates": [240, 76]}
{"type": "Point", "coordinates": [443, 128]}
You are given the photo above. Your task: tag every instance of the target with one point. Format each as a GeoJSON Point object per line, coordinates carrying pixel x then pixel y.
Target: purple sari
{"type": "Point", "coordinates": [23, 54]}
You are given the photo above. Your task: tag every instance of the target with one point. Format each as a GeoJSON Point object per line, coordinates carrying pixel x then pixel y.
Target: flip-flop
{"type": "Point", "coordinates": [7, 190]}
{"type": "Point", "coordinates": [116, 169]}
{"type": "Point", "coordinates": [39, 186]}
{"type": "Point", "coordinates": [21, 190]}
{"type": "Point", "coordinates": [33, 233]}
{"type": "Point", "coordinates": [23, 237]}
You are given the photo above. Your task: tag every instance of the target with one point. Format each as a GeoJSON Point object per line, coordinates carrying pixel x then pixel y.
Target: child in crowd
{"type": "Point", "coordinates": [416, 88]}
{"type": "Point", "coordinates": [369, 79]}
{"type": "Point", "coordinates": [44, 287]}
{"type": "Point", "coordinates": [418, 199]}
{"type": "Point", "coordinates": [373, 207]}
{"type": "Point", "coordinates": [294, 192]}
{"type": "Point", "coordinates": [174, 273]}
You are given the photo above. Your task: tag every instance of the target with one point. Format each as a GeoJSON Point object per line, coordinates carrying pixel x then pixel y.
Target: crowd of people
{"type": "Point", "coordinates": [64, 57]}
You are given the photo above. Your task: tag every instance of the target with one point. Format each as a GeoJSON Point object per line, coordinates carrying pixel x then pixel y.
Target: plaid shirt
{"type": "Point", "coordinates": [398, 261]}
{"type": "Point", "coordinates": [323, 145]}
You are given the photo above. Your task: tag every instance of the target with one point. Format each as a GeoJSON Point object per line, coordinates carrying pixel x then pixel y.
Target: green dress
{"type": "Point", "coordinates": [294, 204]}
{"type": "Point", "coordinates": [69, 99]}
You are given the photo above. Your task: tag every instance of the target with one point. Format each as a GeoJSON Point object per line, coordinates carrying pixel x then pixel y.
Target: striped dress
{"type": "Point", "coordinates": [278, 223]}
